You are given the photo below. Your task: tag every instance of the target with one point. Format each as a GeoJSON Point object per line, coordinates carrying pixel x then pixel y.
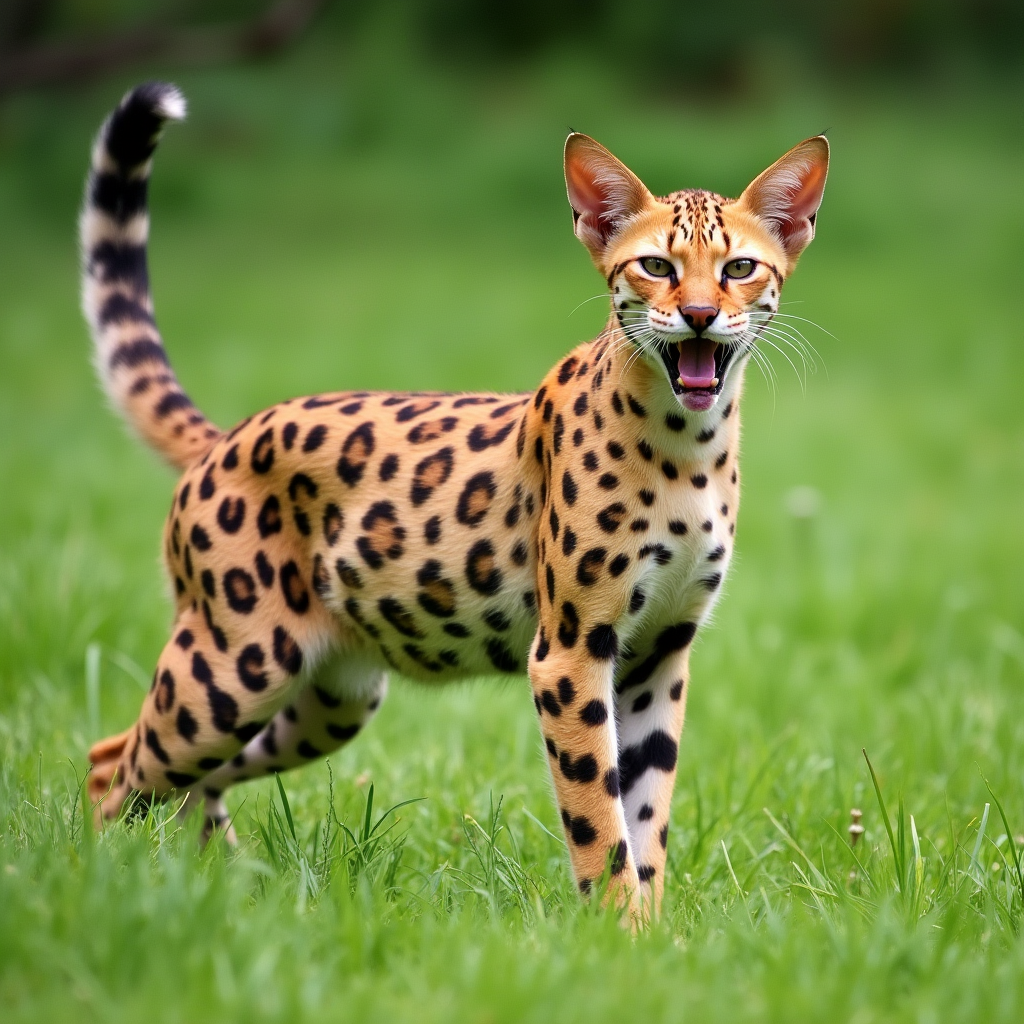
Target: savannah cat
{"type": "Point", "coordinates": [579, 533]}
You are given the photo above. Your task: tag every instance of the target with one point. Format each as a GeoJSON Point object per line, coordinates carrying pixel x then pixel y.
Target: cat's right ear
{"type": "Point", "coordinates": [603, 192]}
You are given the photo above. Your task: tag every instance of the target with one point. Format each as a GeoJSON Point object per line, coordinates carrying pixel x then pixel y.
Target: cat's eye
{"type": "Point", "coordinates": [739, 269]}
{"type": "Point", "coordinates": [656, 266]}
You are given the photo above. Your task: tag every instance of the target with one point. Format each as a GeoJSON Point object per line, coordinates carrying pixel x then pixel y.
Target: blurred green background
{"type": "Point", "coordinates": [376, 202]}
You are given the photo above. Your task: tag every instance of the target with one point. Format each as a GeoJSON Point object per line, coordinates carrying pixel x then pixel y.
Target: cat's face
{"type": "Point", "coordinates": [694, 277]}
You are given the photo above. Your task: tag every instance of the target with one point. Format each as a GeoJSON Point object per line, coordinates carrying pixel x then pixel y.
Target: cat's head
{"type": "Point", "coordinates": [694, 276]}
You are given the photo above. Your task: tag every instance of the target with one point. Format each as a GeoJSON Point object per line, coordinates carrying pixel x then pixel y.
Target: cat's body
{"type": "Point", "coordinates": [581, 532]}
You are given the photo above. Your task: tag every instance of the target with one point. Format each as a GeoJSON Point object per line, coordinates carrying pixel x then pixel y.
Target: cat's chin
{"type": "Point", "coordinates": [699, 401]}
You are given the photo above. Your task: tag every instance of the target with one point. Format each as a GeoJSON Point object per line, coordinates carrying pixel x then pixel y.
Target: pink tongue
{"type": "Point", "coordinates": [697, 363]}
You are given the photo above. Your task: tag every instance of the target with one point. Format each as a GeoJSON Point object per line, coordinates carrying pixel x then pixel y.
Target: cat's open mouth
{"type": "Point", "coordinates": [696, 369]}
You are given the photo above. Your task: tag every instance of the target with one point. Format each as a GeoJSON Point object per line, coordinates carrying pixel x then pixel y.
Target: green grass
{"type": "Point", "coordinates": [315, 229]}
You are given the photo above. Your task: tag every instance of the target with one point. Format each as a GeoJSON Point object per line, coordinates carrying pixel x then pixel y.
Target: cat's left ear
{"type": "Point", "coordinates": [788, 194]}
{"type": "Point", "coordinates": [603, 192]}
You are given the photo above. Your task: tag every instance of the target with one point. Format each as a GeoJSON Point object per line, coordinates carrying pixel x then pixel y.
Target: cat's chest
{"type": "Point", "coordinates": [684, 554]}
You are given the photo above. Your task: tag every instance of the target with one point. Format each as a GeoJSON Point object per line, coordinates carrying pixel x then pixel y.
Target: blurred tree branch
{"type": "Point", "coordinates": [25, 62]}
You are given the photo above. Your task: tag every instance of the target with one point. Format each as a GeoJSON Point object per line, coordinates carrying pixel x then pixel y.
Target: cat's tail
{"type": "Point", "coordinates": [114, 228]}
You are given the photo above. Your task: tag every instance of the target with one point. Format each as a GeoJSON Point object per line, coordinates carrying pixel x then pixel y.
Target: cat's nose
{"type": "Point", "coordinates": [699, 317]}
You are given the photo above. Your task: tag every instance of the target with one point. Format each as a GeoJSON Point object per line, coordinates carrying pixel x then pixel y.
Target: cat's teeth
{"type": "Point", "coordinates": [714, 382]}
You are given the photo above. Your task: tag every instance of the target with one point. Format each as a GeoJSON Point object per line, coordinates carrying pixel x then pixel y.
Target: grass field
{"type": "Point", "coordinates": [317, 229]}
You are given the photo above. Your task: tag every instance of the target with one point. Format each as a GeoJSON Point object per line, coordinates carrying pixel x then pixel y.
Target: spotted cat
{"type": "Point", "coordinates": [579, 533]}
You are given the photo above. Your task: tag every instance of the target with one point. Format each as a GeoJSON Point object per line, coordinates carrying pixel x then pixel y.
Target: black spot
{"type": "Point", "coordinates": [342, 733]}
{"type": "Point", "coordinates": [647, 497]}
{"type": "Point", "coordinates": [611, 782]}
{"type": "Point", "coordinates": [553, 521]}
{"type": "Point", "coordinates": [206, 486]}
{"type": "Point", "coordinates": [186, 725]}
{"type": "Point", "coordinates": [456, 629]}
{"type": "Point", "coordinates": [200, 538]}
{"type": "Point", "coordinates": [543, 646]}
{"type": "Point", "coordinates": [399, 616]}
{"type": "Point", "coordinates": [602, 642]}
{"type": "Point", "coordinates": [355, 453]}
{"type": "Point", "coordinates": [476, 497]}
{"type": "Point", "coordinates": [287, 652]}
{"type": "Point", "coordinates": [295, 594]}
{"type": "Point", "coordinates": [646, 872]}
{"type": "Point", "coordinates": [240, 591]}
{"type": "Point", "coordinates": [643, 702]}
{"type": "Point", "coordinates": [497, 620]}
{"type": "Point", "coordinates": [231, 514]}
{"type": "Point", "coordinates": [707, 526]}
{"type": "Point", "coordinates": [549, 575]}
{"type": "Point", "coordinates": [608, 481]}
{"type": "Point", "coordinates": [183, 497]}
{"type": "Point", "coordinates": [713, 581]}
{"type": "Point", "coordinates": [568, 542]}
{"type": "Point", "coordinates": [482, 572]}
{"type": "Point", "coordinates": [615, 450]}
{"type": "Point", "coordinates": [677, 690]}
{"type": "Point", "coordinates": [263, 452]}
{"type": "Point", "coordinates": [669, 469]}
{"type": "Point", "coordinates": [410, 412]}
{"type": "Point", "coordinates": [333, 523]}
{"type": "Point", "coordinates": [288, 434]}
{"type": "Point", "coordinates": [577, 437]}
{"type": "Point", "coordinates": [250, 668]}
{"type": "Point", "coordinates": [617, 403]}
{"type": "Point", "coordinates": [269, 519]}
{"type": "Point", "coordinates": [567, 370]}
{"type": "Point", "coordinates": [675, 422]}
{"type": "Point", "coordinates": [264, 569]}
{"type": "Point", "coordinates": [663, 836]}
{"type": "Point", "coordinates": [706, 434]}
{"type": "Point", "coordinates": [580, 405]}
{"type": "Point", "coordinates": [610, 518]}
{"type": "Point", "coordinates": [301, 482]}
{"type": "Point", "coordinates": [677, 526]}
{"type": "Point", "coordinates": [430, 473]}
{"type": "Point", "coordinates": [231, 458]}
{"type": "Point", "coordinates": [501, 657]}
{"type": "Point", "coordinates": [645, 813]}
{"type": "Point", "coordinates": [185, 639]}
{"type": "Point", "coordinates": [579, 829]}
{"type": "Point", "coordinates": [722, 459]}
{"type": "Point", "coordinates": [617, 566]}
{"type": "Point", "coordinates": [569, 627]}
{"type": "Point", "coordinates": [519, 553]}
{"type": "Point", "coordinates": [246, 732]}
{"type": "Point", "coordinates": [657, 750]}
{"type": "Point", "coordinates": [558, 433]}
{"type": "Point", "coordinates": [209, 584]}
{"type": "Point", "coordinates": [432, 530]}
{"type": "Point", "coordinates": [671, 639]}
{"type": "Point", "coordinates": [431, 430]}
{"type": "Point", "coordinates": [636, 408]}
{"type": "Point", "coordinates": [583, 769]}
{"type": "Point", "coordinates": [661, 554]}
{"type": "Point", "coordinates": [645, 450]}
{"type": "Point", "coordinates": [569, 489]}
{"type": "Point", "coordinates": [699, 480]}
{"type": "Point", "coordinates": [307, 750]}
{"type": "Point", "coordinates": [207, 764]}
{"type": "Point", "coordinates": [589, 565]}
{"type": "Point", "coordinates": [590, 461]}
{"type": "Point", "coordinates": [566, 691]}
{"type": "Point", "coordinates": [388, 467]}
{"type": "Point", "coordinates": [171, 402]}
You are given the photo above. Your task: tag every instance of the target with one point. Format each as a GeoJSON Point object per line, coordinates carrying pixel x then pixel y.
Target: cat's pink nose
{"type": "Point", "coordinates": [699, 317]}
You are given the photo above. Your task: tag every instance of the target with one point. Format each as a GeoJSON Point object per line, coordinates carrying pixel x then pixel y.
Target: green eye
{"type": "Point", "coordinates": [739, 269]}
{"type": "Point", "coordinates": [656, 266]}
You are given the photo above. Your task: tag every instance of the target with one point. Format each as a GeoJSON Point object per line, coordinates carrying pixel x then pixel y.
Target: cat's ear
{"type": "Point", "coordinates": [788, 194]}
{"type": "Point", "coordinates": [603, 192]}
